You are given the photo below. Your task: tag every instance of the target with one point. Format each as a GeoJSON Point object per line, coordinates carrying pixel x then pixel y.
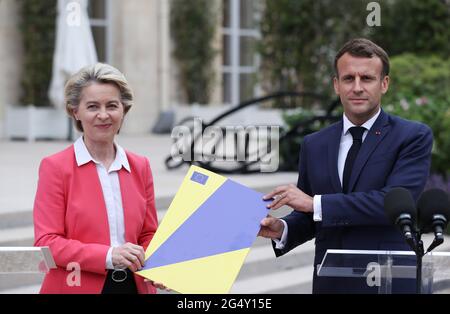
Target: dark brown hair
{"type": "Point", "coordinates": [361, 47]}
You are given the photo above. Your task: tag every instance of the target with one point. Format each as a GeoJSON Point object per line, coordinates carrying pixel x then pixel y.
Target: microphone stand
{"type": "Point", "coordinates": [420, 252]}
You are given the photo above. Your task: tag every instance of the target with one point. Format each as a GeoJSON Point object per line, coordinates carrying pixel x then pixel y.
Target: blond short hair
{"type": "Point", "coordinates": [97, 73]}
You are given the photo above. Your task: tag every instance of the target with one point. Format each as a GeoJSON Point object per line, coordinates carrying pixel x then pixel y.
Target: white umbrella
{"type": "Point", "coordinates": [74, 47]}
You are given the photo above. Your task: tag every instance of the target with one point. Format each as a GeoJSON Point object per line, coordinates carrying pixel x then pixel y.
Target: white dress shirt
{"type": "Point", "coordinates": [109, 180]}
{"type": "Point", "coordinates": [344, 147]}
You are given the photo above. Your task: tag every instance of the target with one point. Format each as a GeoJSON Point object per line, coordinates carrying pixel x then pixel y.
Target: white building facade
{"type": "Point", "coordinates": [134, 36]}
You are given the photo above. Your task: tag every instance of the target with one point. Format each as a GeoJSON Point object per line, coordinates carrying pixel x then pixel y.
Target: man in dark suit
{"type": "Point", "coordinates": [346, 169]}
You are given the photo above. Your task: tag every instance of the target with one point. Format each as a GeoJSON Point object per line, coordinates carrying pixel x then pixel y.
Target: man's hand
{"type": "Point", "coordinates": [292, 196]}
{"type": "Point", "coordinates": [271, 228]}
{"type": "Point", "coordinates": [129, 256]}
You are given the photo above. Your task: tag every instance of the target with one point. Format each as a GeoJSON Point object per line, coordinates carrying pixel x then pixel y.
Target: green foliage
{"type": "Point", "coordinates": [293, 118]}
{"type": "Point", "coordinates": [38, 19]}
{"type": "Point", "coordinates": [300, 119]}
{"type": "Point", "coordinates": [420, 91]}
{"type": "Point", "coordinates": [300, 38]}
{"type": "Point", "coordinates": [414, 76]}
{"type": "Point", "coordinates": [193, 25]}
{"type": "Point", "coordinates": [418, 26]}
{"type": "Point", "coordinates": [289, 150]}
{"type": "Point", "coordinates": [437, 116]}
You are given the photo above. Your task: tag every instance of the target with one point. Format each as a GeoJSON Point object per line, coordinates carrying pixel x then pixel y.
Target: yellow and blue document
{"type": "Point", "coordinates": [205, 235]}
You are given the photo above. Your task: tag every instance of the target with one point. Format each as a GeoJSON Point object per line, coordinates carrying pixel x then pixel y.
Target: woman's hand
{"type": "Point", "coordinates": [129, 256]}
{"type": "Point", "coordinates": [157, 285]}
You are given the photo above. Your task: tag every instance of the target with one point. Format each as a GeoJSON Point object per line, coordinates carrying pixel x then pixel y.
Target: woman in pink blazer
{"type": "Point", "coordinates": [94, 204]}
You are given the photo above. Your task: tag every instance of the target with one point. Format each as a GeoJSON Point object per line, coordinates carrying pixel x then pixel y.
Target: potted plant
{"type": "Point", "coordinates": [194, 54]}
{"type": "Point", "coordinates": [34, 117]}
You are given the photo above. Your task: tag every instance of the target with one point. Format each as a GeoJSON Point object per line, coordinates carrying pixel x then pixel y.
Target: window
{"type": "Point", "coordinates": [239, 59]}
{"type": "Point", "coordinates": [99, 17]}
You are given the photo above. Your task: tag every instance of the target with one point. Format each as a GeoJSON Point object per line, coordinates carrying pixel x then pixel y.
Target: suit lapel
{"type": "Point", "coordinates": [333, 151]}
{"type": "Point", "coordinates": [376, 134]}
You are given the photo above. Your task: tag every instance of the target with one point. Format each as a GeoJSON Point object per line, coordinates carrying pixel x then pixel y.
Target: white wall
{"type": "Point", "coordinates": [11, 57]}
{"type": "Point", "coordinates": [135, 30]}
{"type": "Point", "coordinates": [136, 36]}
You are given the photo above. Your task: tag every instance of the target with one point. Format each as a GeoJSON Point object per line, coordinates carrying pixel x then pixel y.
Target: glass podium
{"type": "Point", "coordinates": [380, 267]}
{"type": "Point", "coordinates": [25, 260]}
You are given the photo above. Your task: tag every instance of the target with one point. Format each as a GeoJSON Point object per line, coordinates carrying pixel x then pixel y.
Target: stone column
{"type": "Point", "coordinates": [135, 30]}
{"type": "Point", "coordinates": [11, 57]}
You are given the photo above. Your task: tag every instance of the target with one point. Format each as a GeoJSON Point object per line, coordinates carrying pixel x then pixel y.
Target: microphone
{"type": "Point", "coordinates": [433, 209]}
{"type": "Point", "coordinates": [400, 209]}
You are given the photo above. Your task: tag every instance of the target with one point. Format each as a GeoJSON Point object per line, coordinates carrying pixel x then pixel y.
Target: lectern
{"type": "Point", "coordinates": [380, 267]}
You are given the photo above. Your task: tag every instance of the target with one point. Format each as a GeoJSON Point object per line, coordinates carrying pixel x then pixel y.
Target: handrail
{"type": "Point", "coordinates": [300, 129]}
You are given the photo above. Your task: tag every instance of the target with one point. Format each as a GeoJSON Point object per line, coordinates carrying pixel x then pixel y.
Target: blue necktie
{"type": "Point", "coordinates": [357, 133]}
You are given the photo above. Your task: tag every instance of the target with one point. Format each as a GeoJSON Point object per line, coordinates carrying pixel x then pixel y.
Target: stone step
{"type": "Point", "coordinates": [16, 219]}
{"type": "Point", "coordinates": [260, 260]}
{"type": "Point", "coordinates": [29, 289]}
{"type": "Point", "coordinates": [261, 272]}
{"type": "Point", "coordinates": [24, 235]}
{"type": "Point", "coordinates": [16, 228]}
{"type": "Point", "coordinates": [23, 218]}
{"type": "Point", "coordinates": [274, 281]}
{"type": "Point", "coordinates": [20, 236]}
{"type": "Point", "coordinates": [18, 281]}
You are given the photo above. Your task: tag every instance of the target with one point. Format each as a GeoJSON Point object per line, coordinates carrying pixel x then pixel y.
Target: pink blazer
{"type": "Point", "coordinates": [70, 217]}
